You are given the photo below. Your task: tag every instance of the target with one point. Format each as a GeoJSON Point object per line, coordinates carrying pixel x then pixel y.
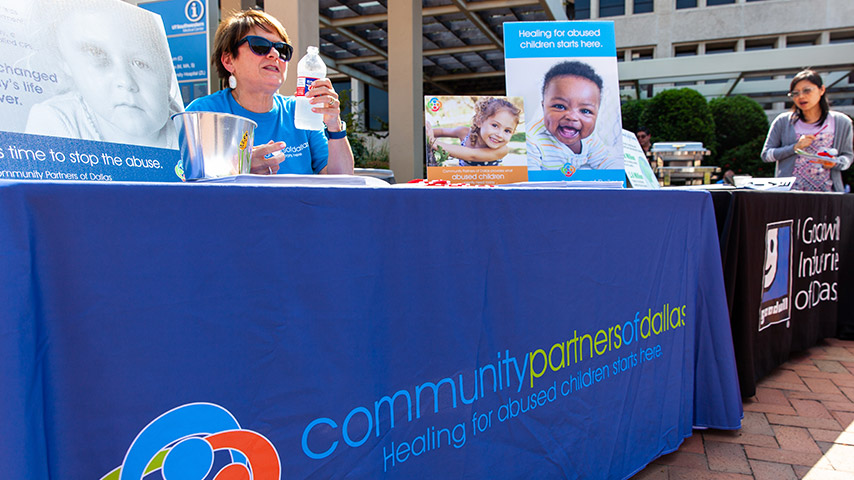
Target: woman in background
{"type": "Point", "coordinates": [811, 143]}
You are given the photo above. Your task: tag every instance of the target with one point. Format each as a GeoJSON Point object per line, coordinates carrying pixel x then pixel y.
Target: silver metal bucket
{"type": "Point", "coordinates": [214, 144]}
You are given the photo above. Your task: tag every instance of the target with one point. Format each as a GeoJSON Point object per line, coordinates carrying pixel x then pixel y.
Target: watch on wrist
{"type": "Point", "coordinates": [339, 134]}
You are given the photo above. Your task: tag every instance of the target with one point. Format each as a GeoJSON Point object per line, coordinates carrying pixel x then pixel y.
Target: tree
{"type": "Point", "coordinates": [745, 159]}
{"type": "Point", "coordinates": [738, 120]}
{"type": "Point", "coordinates": [740, 129]}
{"type": "Point", "coordinates": [680, 115]}
{"type": "Point", "coordinates": [632, 110]}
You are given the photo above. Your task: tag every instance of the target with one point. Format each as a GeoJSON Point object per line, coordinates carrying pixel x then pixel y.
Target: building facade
{"type": "Point", "coordinates": [731, 47]}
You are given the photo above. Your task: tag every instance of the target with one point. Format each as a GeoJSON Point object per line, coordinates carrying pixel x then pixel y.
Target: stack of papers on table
{"type": "Point", "coordinates": [567, 184]}
{"type": "Point", "coordinates": [710, 186]}
{"type": "Point", "coordinates": [782, 184]}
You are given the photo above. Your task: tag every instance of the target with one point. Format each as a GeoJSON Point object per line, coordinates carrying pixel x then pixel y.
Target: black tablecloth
{"type": "Point", "coordinates": [813, 278]}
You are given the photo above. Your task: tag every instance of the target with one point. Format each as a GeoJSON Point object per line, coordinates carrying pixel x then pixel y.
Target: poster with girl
{"type": "Point", "coordinates": [566, 72]}
{"type": "Point", "coordinates": [475, 139]}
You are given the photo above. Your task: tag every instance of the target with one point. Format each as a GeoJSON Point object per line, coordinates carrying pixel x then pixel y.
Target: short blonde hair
{"type": "Point", "coordinates": [234, 28]}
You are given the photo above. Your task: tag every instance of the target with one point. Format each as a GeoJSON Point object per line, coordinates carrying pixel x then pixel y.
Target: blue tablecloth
{"type": "Point", "coordinates": [356, 333]}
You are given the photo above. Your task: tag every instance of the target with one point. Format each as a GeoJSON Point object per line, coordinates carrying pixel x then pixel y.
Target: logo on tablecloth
{"type": "Point", "coordinates": [194, 440]}
{"type": "Point", "coordinates": [777, 275]}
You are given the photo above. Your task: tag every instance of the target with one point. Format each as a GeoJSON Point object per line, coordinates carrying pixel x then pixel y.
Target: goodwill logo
{"type": "Point", "coordinates": [193, 440]}
{"type": "Point", "coordinates": [777, 275]}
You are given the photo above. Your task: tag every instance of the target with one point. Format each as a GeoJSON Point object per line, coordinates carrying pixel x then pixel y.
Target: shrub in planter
{"type": "Point", "coordinates": [738, 120]}
{"type": "Point", "coordinates": [680, 115]}
{"type": "Point", "coordinates": [745, 159]}
{"type": "Point", "coordinates": [631, 112]}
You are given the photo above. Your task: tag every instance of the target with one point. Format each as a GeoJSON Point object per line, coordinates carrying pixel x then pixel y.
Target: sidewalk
{"type": "Point", "coordinates": [799, 425]}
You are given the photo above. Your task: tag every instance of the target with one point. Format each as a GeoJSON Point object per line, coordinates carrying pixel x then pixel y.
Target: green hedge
{"type": "Point", "coordinates": [632, 110]}
{"type": "Point", "coordinates": [679, 115]}
{"type": "Point", "coordinates": [740, 129]}
{"type": "Point", "coordinates": [745, 159]}
{"type": "Point", "coordinates": [738, 120]}
{"type": "Point", "coordinates": [733, 128]}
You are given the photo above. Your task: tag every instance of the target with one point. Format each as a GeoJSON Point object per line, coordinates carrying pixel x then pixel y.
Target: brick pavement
{"type": "Point", "coordinates": [800, 425]}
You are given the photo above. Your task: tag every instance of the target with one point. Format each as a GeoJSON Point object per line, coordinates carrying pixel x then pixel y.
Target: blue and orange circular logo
{"type": "Point", "coordinates": [183, 443]}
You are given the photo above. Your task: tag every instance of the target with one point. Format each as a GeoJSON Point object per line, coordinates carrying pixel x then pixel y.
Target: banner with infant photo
{"type": "Point", "coordinates": [567, 74]}
{"type": "Point", "coordinates": [87, 91]}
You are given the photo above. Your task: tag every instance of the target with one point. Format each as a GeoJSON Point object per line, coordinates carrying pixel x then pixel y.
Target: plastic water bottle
{"type": "Point", "coordinates": [309, 69]}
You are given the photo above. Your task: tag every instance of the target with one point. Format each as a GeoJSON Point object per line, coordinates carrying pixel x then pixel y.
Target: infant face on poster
{"type": "Point", "coordinates": [119, 80]}
{"type": "Point", "coordinates": [571, 101]}
{"type": "Point", "coordinates": [117, 73]}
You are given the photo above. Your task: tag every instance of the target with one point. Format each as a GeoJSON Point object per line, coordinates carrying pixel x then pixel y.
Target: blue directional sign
{"type": "Point", "coordinates": [186, 23]}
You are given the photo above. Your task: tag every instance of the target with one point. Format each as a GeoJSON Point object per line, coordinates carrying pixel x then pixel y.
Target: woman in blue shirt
{"type": "Point", "coordinates": [251, 49]}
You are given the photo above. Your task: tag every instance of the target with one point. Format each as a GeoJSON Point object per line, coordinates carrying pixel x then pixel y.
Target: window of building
{"type": "Point", "coordinates": [377, 111]}
{"type": "Point", "coordinates": [612, 8]}
{"type": "Point", "coordinates": [760, 44]}
{"type": "Point", "coordinates": [647, 91]}
{"type": "Point", "coordinates": [642, 6]}
{"type": "Point", "coordinates": [686, 3]}
{"type": "Point", "coordinates": [684, 50]}
{"type": "Point", "coordinates": [844, 36]}
{"type": "Point", "coordinates": [801, 40]}
{"type": "Point", "coordinates": [718, 2]}
{"type": "Point", "coordinates": [642, 54]}
{"type": "Point", "coordinates": [721, 47]}
{"type": "Point", "coordinates": [621, 55]}
{"type": "Point", "coordinates": [582, 9]}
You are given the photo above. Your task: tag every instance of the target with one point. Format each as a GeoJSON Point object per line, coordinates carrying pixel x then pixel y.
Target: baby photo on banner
{"type": "Point", "coordinates": [475, 139]}
{"type": "Point", "coordinates": [75, 74]}
{"type": "Point", "coordinates": [566, 72]}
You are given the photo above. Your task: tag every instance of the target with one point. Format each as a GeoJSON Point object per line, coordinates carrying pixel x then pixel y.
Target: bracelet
{"type": "Point", "coordinates": [339, 134]}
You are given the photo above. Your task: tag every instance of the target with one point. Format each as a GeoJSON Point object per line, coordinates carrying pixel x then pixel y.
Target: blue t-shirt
{"type": "Point", "coordinates": [306, 151]}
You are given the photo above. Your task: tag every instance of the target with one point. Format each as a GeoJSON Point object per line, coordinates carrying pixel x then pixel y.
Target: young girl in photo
{"type": "Point", "coordinates": [485, 142]}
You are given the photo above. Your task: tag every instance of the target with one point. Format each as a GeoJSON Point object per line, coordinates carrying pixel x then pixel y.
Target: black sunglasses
{"type": "Point", "coordinates": [261, 46]}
